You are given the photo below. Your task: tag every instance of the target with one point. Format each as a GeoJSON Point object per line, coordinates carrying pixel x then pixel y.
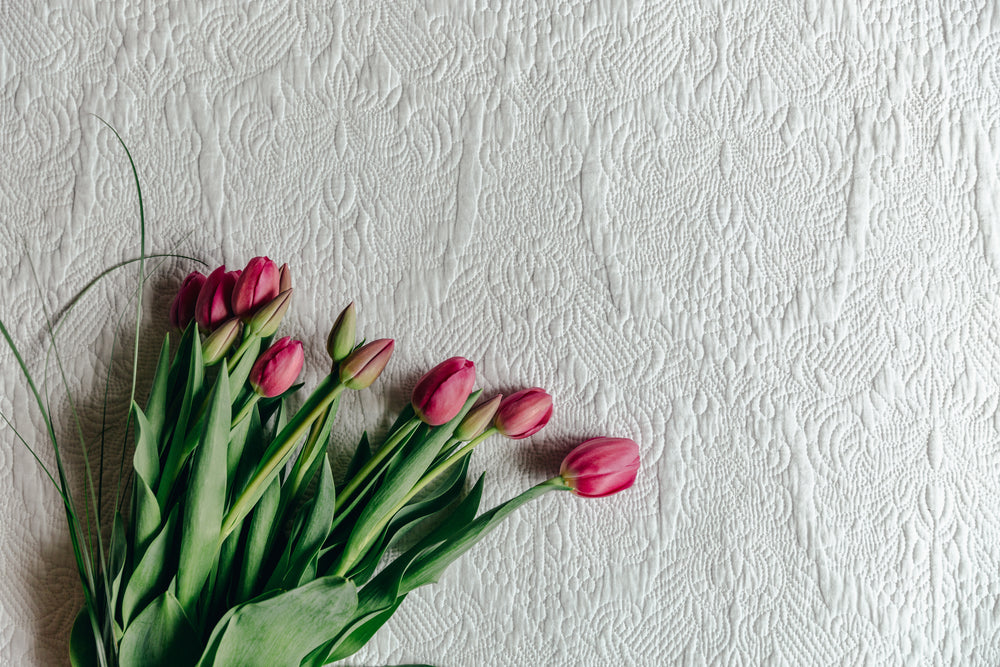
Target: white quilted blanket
{"type": "Point", "coordinates": [761, 240]}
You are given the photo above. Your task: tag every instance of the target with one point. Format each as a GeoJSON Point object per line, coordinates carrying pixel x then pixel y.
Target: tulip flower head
{"type": "Point", "coordinates": [340, 342]}
{"type": "Point", "coordinates": [366, 363]}
{"type": "Point", "coordinates": [523, 413]}
{"type": "Point", "coordinates": [265, 321]}
{"type": "Point", "coordinates": [601, 466]}
{"type": "Point", "coordinates": [478, 418]}
{"type": "Point", "coordinates": [257, 286]}
{"type": "Point", "coordinates": [442, 391]}
{"type": "Point", "coordinates": [212, 307]}
{"type": "Point", "coordinates": [182, 308]}
{"type": "Point", "coordinates": [218, 343]}
{"type": "Point", "coordinates": [284, 279]}
{"type": "Point", "coordinates": [277, 369]}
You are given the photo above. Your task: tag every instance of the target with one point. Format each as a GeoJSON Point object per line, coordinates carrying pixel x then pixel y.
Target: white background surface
{"type": "Point", "coordinates": [761, 240]}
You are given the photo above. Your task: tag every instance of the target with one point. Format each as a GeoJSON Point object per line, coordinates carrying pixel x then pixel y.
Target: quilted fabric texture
{"type": "Point", "coordinates": [763, 241]}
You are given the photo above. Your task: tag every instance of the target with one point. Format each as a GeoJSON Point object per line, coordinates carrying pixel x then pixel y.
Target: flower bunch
{"type": "Point", "coordinates": [239, 547]}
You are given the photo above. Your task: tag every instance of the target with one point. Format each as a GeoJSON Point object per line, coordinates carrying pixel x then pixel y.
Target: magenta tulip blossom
{"type": "Point", "coordinates": [256, 287]}
{"type": "Point", "coordinates": [212, 307]}
{"type": "Point", "coordinates": [366, 363]}
{"type": "Point", "coordinates": [523, 413]}
{"type": "Point", "coordinates": [182, 309]}
{"type": "Point", "coordinates": [601, 466]}
{"type": "Point", "coordinates": [442, 391]}
{"type": "Point", "coordinates": [277, 369]}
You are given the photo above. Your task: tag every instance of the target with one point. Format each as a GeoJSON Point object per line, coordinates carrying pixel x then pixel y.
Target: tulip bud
{"type": "Point", "coordinates": [182, 308]}
{"type": "Point", "coordinates": [284, 279]}
{"type": "Point", "coordinates": [366, 363]}
{"type": "Point", "coordinates": [218, 343]}
{"type": "Point", "coordinates": [212, 307]}
{"type": "Point", "coordinates": [265, 322]}
{"type": "Point", "coordinates": [442, 391]}
{"type": "Point", "coordinates": [477, 419]}
{"type": "Point", "coordinates": [276, 369]}
{"type": "Point", "coordinates": [601, 466]}
{"type": "Point", "coordinates": [257, 286]}
{"type": "Point", "coordinates": [340, 343]}
{"type": "Point", "coordinates": [523, 413]}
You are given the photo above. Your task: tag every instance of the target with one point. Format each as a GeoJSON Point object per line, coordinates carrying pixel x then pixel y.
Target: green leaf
{"type": "Point", "coordinates": [399, 479]}
{"type": "Point", "coordinates": [304, 548]}
{"type": "Point", "coordinates": [428, 567]}
{"type": "Point", "coordinates": [257, 543]}
{"type": "Point", "coordinates": [116, 559]}
{"type": "Point", "coordinates": [205, 498]}
{"type": "Point", "coordinates": [82, 651]}
{"type": "Point", "coordinates": [146, 462]}
{"type": "Point", "coordinates": [156, 404]}
{"type": "Point", "coordinates": [380, 598]}
{"type": "Point", "coordinates": [153, 571]}
{"type": "Point", "coordinates": [282, 629]}
{"type": "Point", "coordinates": [160, 635]}
{"type": "Point", "coordinates": [449, 489]}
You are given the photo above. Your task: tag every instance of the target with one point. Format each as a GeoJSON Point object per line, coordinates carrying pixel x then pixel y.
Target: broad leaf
{"type": "Point", "coordinates": [282, 629]}
{"type": "Point", "coordinates": [161, 635]}
{"type": "Point", "coordinates": [152, 572]}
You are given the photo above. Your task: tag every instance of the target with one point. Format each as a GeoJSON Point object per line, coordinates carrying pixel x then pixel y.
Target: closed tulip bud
{"type": "Point", "coordinates": [212, 307]}
{"type": "Point", "coordinates": [366, 363]}
{"type": "Point", "coordinates": [601, 466]}
{"type": "Point", "coordinates": [340, 342]}
{"type": "Point", "coordinates": [265, 322]}
{"type": "Point", "coordinates": [276, 369]}
{"type": "Point", "coordinates": [182, 309]}
{"type": "Point", "coordinates": [478, 419]}
{"type": "Point", "coordinates": [218, 343]}
{"type": "Point", "coordinates": [257, 286]}
{"type": "Point", "coordinates": [284, 279]}
{"type": "Point", "coordinates": [442, 391]}
{"type": "Point", "coordinates": [523, 413]}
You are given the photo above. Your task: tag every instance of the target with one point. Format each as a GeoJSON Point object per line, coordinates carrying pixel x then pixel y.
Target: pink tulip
{"type": "Point", "coordinates": [442, 391]}
{"type": "Point", "coordinates": [276, 369]}
{"type": "Point", "coordinates": [182, 309]}
{"type": "Point", "coordinates": [212, 308]}
{"type": "Point", "coordinates": [523, 413]}
{"type": "Point", "coordinates": [601, 466]}
{"type": "Point", "coordinates": [257, 286]}
{"type": "Point", "coordinates": [366, 363]}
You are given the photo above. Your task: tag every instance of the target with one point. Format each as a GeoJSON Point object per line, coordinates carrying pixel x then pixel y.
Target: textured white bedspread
{"type": "Point", "coordinates": [761, 240]}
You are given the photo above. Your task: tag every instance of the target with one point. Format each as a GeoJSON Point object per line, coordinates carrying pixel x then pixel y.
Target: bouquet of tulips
{"type": "Point", "coordinates": [236, 545]}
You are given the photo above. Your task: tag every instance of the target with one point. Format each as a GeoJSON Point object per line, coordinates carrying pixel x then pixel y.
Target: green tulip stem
{"type": "Point", "coordinates": [248, 340]}
{"type": "Point", "coordinates": [279, 451]}
{"type": "Point", "coordinates": [398, 436]}
{"type": "Point", "coordinates": [307, 456]}
{"type": "Point", "coordinates": [346, 563]}
{"type": "Point", "coordinates": [245, 410]}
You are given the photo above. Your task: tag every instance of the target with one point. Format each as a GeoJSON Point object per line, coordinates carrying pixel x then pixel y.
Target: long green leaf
{"type": "Point", "coordinates": [328, 603]}
{"type": "Point", "coordinates": [152, 572]}
{"type": "Point", "coordinates": [259, 535]}
{"type": "Point", "coordinates": [161, 636]}
{"type": "Point", "coordinates": [147, 515]}
{"type": "Point", "coordinates": [205, 498]}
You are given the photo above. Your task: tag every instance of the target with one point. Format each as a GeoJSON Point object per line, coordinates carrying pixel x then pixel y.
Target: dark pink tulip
{"type": "Point", "coordinates": [601, 466]}
{"type": "Point", "coordinates": [257, 286]}
{"type": "Point", "coordinates": [212, 308]}
{"type": "Point", "coordinates": [366, 363]}
{"type": "Point", "coordinates": [182, 309]}
{"type": "Point", "coordinates": [523, 413]}
{"type": "Point", "coordinates": [277, 369]}
{"type": "Point", "coordinates": [442, 391]}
